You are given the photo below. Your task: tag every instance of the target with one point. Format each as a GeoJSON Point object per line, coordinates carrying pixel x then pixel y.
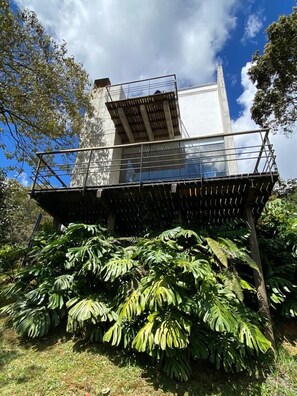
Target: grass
{"type": "Point", "coordinates": [59, 365]}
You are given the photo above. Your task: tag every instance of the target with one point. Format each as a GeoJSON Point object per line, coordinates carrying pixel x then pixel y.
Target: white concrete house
{"type": "Point", "coordinates": [170, 114]}
{"type": "Point", "coordinates": [153, 153]}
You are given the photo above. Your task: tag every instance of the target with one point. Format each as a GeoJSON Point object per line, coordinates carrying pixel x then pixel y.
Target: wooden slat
{"type": "Point", "coordinates": [199, 202]}
{"type": "Point", "coordinates": [126, 125]}
{"type": "Point", "coordinates": [147, 123]}
{"type": "Point", "coordinates": [168, 118]}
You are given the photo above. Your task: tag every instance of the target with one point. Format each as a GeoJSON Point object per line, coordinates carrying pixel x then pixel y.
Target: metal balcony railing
{"type": "Point", "coordinates": [213, 156]}
{"type": "Point", "coordinates": [140, 88]}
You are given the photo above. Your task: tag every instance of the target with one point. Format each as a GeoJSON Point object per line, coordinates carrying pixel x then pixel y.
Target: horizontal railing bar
{"type": "Point", "coordinates": [181, 155]}
{"type": "Point", "coordinates": [152, 159]}
{"type": "Point", "coordinates": [152, 167]}
{"type": "Point", "coordinates": [101, 148]}
{"type": "Point", "coordinates": [140, 87]}
{"type": "Point", "coordinates": [146, 79]}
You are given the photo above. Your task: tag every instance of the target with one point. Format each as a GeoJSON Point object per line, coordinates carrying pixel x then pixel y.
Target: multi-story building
{"type": "Point", "coordinates": [154, 155]}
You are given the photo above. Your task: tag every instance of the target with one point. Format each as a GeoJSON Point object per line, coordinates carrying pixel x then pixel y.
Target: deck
{"type": "Point", "coordinates": [188, 181]}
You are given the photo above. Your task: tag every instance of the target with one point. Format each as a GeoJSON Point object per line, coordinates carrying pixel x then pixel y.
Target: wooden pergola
{"type": "Point", "coordinates": [145, 110]}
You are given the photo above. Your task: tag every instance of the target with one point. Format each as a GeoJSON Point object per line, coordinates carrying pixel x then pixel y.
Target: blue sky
{"type": "Point", "coordinates": [133, 39]}
{"type": "Point", "coordinates": [240, 47]}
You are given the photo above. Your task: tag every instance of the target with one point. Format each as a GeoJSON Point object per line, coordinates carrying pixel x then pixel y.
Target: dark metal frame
{"type": "Point", "coordinates": [48, 169]}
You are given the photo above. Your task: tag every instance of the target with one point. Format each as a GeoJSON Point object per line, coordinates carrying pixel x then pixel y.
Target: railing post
{"type": "Point", "coordinates": [263, 148]}
{"type": "Point", "coordinates": [179, 159]}
{"type": "Point", "coordinates": [108, 93]}
{"type": "Point", "coordinates": [140, 165]}
{"type": "Point", "coordinates": [87, 173]}
{"type": "Point", "coordinates": [36, 175]}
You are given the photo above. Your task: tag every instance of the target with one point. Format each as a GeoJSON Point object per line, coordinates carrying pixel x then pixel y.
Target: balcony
{"type": "Point", "coordinates": [201, 180]}
{"type": "Point", "coordinates": [145, 110]}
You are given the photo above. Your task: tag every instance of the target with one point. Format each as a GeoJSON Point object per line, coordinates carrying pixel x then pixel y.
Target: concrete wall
{"type": "Point", "coordinates": [200, 110]}
{"type": "Point", "coordinates": [97, 131]}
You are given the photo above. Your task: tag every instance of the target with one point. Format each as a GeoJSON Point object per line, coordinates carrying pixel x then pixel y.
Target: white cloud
{"type": "Point", "coordinates": [252, 28]}
{"type": "Point", "coordinates": [285, 148]}
{"type": "Point", "coordinates": [127, 40]}
{"type": "Point", "coordinates": [23, 179]}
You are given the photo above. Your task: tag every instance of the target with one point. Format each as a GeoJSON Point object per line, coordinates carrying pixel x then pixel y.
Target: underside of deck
{"type": "Point", "coordinates": [135, 208]}
{"type": "Point", "coordinates": [153, 117]}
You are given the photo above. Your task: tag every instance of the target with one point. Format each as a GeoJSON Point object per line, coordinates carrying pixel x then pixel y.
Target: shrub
{"type": "Point", "coordinates": [277, 235]}
{"type": "Point", "coordinates": [176, 297]}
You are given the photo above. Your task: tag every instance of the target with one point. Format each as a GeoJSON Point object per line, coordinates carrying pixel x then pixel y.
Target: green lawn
{"type": "Point", "coordinates": [59, 365]}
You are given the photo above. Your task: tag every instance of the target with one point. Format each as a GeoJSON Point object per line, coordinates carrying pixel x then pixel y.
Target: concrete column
{"type": "Point", "coordinates": [227, 128]}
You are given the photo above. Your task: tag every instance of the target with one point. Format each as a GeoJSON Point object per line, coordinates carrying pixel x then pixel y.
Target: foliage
{"type": "Point", "coordinates": [10, 257]}
{"type": "Point", "coordinates": [43, 94]}
{"type": "Point", "coordinates": [277, 235]}
{"type": "Point", "coordinates": [4, 213]}
{"type": "Point", "coordinates": [176, 297]}
{"type": "Point", "coordinates": [275, 76]}
{"type": "Point", "coordinates": [286, 189]}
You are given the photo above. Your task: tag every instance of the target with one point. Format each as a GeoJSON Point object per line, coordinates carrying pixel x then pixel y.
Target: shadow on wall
{"type": "Point", "coordinates": [96, 163]}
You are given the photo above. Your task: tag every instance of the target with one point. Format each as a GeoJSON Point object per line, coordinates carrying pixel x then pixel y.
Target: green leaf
{"type": "Point", "coordinates": [88, 309]}
{"type": "Point", "coordinates": [117, 267]}
{"type": "Point", "coordinates": [250, 335]}
{"type": "Point", "coordinates": [56, 301]}
{"type": "Point", "coordinates": [177, 365]}
{"type": "Point", "coordinates": [133, 306]}
{"type": "Point", "coordinates": [114, 334]}
{"type": "Point", "coordinates": [218, 251]}
{"type": "Point", "coordinates": [63, 282]}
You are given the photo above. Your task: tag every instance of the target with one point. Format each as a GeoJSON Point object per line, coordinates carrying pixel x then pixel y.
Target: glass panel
{"type": "Point", "coordinates": [173, 161]}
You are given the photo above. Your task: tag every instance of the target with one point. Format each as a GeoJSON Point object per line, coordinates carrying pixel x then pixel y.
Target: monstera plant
{"type": "Point", "coordinates": [177, 297]}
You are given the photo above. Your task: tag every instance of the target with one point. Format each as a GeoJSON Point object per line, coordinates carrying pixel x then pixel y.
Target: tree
{"type": "Point", "coordinates": [18, 213]}
{"type": "Point", "coordinates": [4, 216]}
{"type": "Point", "coordinates": [275, 76]}
{"type": "Point", "coordinates": [43, 94]}
{"type": "Point", "coordinates": [22, 213]}
{"type": "Point", "coordinates": [278, 245]}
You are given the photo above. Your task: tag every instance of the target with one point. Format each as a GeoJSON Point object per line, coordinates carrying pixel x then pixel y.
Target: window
{"type": "Point", "coordinates": [176, 160]}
